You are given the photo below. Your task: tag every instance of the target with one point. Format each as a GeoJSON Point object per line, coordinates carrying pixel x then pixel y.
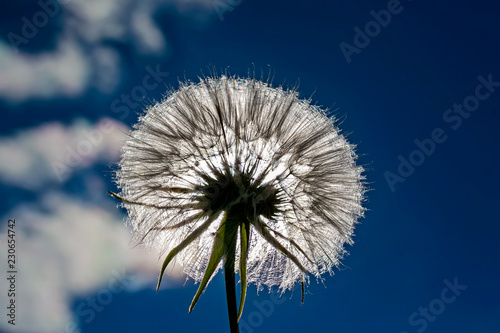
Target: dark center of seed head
{"type": "Point", "coordinates": [239, 194]}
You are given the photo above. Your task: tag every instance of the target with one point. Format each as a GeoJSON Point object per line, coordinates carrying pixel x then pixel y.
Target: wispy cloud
{"type": "Point", "coordinates": [83, 57]}
{"type": "Point", "coordinates": [68, 245]}
{"type": "Point", "coordinates": [63, 72]}
{"type": "Point", "coordinates": [68, 248]}
{"type": "Point", "coordinates": [52, 152]}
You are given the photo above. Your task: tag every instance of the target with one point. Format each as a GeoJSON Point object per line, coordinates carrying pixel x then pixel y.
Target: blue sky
{"type": "Point", "coordinates": [425, 257]}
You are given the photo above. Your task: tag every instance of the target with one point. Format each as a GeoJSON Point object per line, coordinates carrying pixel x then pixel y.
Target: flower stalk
{"type": "Point", "coordinates": [232, 170]}
{"type": "Point", "coordinates": [231, 225]}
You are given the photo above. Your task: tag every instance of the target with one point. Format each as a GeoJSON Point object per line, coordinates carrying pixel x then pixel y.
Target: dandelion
{"type": "Point", "coordinates": [233, 173]}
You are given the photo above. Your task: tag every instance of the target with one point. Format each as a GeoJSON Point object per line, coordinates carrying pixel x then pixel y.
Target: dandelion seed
{"type": "Point", "coordinates": [233, 173]}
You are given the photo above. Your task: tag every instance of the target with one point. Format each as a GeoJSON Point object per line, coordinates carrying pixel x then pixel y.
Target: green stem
{"type": "Point", "coordinates": [229, 276]}
{"type": "Point", "coordinates": [231, 296]}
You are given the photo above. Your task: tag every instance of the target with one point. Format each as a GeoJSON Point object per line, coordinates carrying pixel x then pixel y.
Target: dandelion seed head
{"type": "Point", "coordinates": [228, 143]}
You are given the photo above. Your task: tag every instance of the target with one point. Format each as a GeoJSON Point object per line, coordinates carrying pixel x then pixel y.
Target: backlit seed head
{"type": "Point", "coordinates": [274, 161]}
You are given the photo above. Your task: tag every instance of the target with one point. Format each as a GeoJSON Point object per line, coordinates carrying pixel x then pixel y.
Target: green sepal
{"type": "Point", "coordinates": [245, 239]}
{"type": "Point", "coordinates": [222, 241]}
{"type": "Point", "coordinates": [192, 236]}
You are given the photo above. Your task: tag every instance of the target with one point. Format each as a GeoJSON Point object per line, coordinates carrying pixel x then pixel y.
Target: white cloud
{"type": "Point", "coordinates": [64, 72]}
{"type": "Point", "coordinates": [68, 248]}
{"type": "Point", "coordinates": [148, 37]}
{"type": "Point", "coordinates": [106, 69]}
{"type": "Point", "coordinates": [52, 152]}
{"type": "Point", "coordinates": [80, 55]}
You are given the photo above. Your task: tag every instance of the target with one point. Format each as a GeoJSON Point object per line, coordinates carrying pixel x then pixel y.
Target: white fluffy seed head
{"type": "Point", "coordinates": [177, 164]}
